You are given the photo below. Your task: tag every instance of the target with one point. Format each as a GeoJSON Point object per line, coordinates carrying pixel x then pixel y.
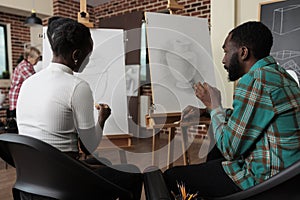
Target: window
{"type": "Point", "coordinates": [3, 52]}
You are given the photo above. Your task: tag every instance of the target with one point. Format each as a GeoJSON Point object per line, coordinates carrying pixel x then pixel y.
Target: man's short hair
{"type": "Point", "coordinates": [255, 36]}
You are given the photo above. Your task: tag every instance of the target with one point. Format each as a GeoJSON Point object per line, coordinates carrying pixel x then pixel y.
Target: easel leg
{"type": "Point", "coordinates": [185, 155]}
{"type": "Point", "coordinates": [171, 135]}
{"type": "Point", "coordinates": [155, 146]}
{"type": "Point", "coordinates": [123, 157]}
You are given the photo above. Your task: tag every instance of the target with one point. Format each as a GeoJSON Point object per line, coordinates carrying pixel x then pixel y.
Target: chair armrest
{"type": "Point", "coordinates": [285, 183]}
{"type": "Point", "coordinates": [154, 184]}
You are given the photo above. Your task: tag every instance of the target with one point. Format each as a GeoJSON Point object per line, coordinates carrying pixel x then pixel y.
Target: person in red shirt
{"type": "Point", "coordinates": [23, 70]}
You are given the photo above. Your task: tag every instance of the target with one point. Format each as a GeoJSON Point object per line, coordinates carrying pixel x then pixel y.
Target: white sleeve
{"type": "Point", "coordinates": [83, 106]}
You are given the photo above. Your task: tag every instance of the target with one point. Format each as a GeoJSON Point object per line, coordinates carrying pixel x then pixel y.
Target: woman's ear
{"type": "Point", "coordinates": [76, 55]}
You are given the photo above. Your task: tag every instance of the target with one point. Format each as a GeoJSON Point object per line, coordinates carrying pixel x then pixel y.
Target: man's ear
{"type": "Point", "coordinates": [244, 53]}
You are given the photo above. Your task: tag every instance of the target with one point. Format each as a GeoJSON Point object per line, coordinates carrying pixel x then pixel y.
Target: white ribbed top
{"type": "Point", "coordinates": [52, 103]}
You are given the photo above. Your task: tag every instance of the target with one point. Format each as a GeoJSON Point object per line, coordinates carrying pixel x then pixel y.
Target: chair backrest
{"type": "Point", "coordinates": [154, 184]}
{"type": "Point", "coordinates": [5, 155]}
{"type": "Point", "coordinates": [44, 170]}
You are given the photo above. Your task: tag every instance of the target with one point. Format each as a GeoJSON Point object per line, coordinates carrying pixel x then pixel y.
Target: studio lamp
{"type": "Point", "coordinates": [33, 20]}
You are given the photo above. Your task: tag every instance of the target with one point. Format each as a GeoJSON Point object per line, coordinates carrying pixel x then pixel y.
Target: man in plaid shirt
{"type": "Point", "coordinates": [261, 135]}
{"type": "Point", "coordinates": [21, 73]}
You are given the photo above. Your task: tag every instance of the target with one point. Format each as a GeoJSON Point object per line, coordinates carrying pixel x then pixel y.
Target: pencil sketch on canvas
{"type": "Point", "coordinates": [132, 79]}
{"type": "Point", "coordinates": [180, 55]}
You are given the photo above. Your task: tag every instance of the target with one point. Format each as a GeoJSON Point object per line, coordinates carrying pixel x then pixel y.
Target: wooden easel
{"type": "Point", "coordinates": [157, 122]}
{"type": "Point", "coordinates": [166, 121]}
{"type": "Point", "coordinates": [83, 16]}
{"type": "Point", "coordinates": [169, 122]}
{"type": "Point", "coordinates": [173, 6]}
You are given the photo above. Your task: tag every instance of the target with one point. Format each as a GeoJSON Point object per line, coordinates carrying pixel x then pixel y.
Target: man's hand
{"type": "Point", "coordinates": [210, 96]}
{"type": "Point", "coordinates": [190, 113]}
{"type": "Point", "coordinates": [104, 113]}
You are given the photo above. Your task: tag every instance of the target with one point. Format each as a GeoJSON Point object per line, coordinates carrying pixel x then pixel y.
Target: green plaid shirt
{"type": "Point", "coordinates": [261, 136]}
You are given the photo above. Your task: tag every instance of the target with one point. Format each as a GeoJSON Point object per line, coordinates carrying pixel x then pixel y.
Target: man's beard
{"type": "Point", "coordinates": [235, 70]}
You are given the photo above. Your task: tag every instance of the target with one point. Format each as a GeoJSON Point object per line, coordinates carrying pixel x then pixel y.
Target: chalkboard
{"type": "Point", "coordinates": [283, 19]}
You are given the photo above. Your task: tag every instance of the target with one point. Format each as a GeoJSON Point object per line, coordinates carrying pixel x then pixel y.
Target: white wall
{"type": "Point", "coordinates": [225, 15]}
{"type": "Point", "coordinates": [248, 10]}
{"type": "Point", "coordinates": [222, 21]}
{"type": "Point", "coordinates": [43, 7]}
{"type": "Point", "coordinates": [36, 37]}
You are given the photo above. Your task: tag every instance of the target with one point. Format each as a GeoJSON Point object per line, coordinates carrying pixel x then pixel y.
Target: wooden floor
{"type": "Point", "coordinates": [8, 175]}
{"type": "Point", "coordinates": [7, 179]}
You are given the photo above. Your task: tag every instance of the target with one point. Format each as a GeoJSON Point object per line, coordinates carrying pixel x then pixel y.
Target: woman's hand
{"type": "Point", "coordinates": [103, 114]}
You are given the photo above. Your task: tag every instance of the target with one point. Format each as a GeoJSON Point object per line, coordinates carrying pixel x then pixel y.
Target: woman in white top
{"type": "Point", "coordinates": [57, 107]}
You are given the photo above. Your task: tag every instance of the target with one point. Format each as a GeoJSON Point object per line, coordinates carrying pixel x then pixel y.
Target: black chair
{"type": "Point", "coordinates": [44, 172]}
{"type": "Point", "coordinates": [154, 184]}
{"type": "Point", "coordinates": [284, 185]}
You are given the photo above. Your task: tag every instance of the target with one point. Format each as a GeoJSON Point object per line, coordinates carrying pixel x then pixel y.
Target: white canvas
{"type": "Point", "coordinates": [180, 55]}
{"type": "Point", "coordinates": [47, 52]}
{"type": "Point", "coordinates": [132, 79]}
{"type": "Point", "coordinates": [105, 73]}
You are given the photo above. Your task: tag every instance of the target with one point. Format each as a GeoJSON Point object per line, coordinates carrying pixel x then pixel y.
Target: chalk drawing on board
{"type": "Point", "coordinates": [285, 54]}
{"type": "Point", "coordinates": [288, 55]}
{"type": "Point", "coordinates": [292, 65]}
{"type": "Point", "coordinates": [179, 55]}
{"type": "Point", "coordinates": [294, 75]}
{"type": "Point", "coordinates": [282, 17]}
{"type": "Point", "coordinates": [281, 24]}
{"type": "Point", "coordinates": [105, 74]}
